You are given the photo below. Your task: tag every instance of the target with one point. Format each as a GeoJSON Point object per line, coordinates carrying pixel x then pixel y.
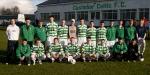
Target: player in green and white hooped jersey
{"type": "Point", "coordinates": [51, 30]}
{"type": "Point", "coordinates": [63, 33]}
{"type": "Point", "coordinates": [101, 33]}
{"type": "Point", "coordinates": [111, 35]}
{"type": "Point", "coordinates": [82, 30]}
{"type": "Point", "coordinates": [38, 52]}
{"type": "Point", "coordinates": [88, 51]}
{"type": "Point", "coordinates": [91, 32]}
{"type": "Point", "coordinates": [102, 51]}
{"type": "Point", "coordinates": [72, 50]}
{"type": "Point", "coordinates": [55, 51]}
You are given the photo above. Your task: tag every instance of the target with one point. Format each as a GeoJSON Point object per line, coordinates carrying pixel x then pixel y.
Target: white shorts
{"type": "Point", "coordinates": [50, 40]}
{"type": "Point", "coordinates": [81, 40]}
{"type": "Point", "coordinates": [94, 43]}
{"type": "Point", "coordinates": [49, 55]}
{"type": "Point", "coordinates": [110, 43]}
{"type": "Point", "coordinates": [34, 56]}
{"type": "Point", "coordinates": [105, 56]}
{"type": "Point", "coordinates": [63, 42]}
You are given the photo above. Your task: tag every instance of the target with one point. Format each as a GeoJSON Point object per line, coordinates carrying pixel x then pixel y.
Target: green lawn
{"type": "Point", "coordinates": [80, 68]}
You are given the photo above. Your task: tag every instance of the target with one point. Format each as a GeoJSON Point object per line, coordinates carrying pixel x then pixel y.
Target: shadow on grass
{"type": "Point", "coordinates": [3, 54]}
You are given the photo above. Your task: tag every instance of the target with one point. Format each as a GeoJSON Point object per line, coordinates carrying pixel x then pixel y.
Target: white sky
{"type": "Point", "coordinates": [25, 6]}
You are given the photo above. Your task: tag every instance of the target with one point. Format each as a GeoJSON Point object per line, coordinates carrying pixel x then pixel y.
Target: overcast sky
{"type": "Point", "coordinates": [25, 6]}
{"type": "Point", "coordinates": [35, 2]}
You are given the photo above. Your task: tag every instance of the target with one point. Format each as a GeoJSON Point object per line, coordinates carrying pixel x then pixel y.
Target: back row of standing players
{"type": "Point", "coordinates": [79, 41]}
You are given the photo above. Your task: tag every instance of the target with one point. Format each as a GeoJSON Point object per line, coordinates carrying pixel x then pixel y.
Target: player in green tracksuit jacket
{"type": "Point", "coordinates": [72, 49]}
{"type": "Point", "coordinates": [120, 50]}
{"type": "Point", "coordinates": [120, 31]}
{"type": "Point", "coordinates": [111, 35]}
{"type": "Point", "coordinates": [87, 50]}
{"type": "Point", "coordinates": [27, 32]}
{"type": "Point", "coordinates": [40, 32]}
{"type": "Point", "coordinates": [23, 52]}
{"type": "Point", "coordinates": [130, 32]}
{"type": "Point", "coordinates": [55, 51]}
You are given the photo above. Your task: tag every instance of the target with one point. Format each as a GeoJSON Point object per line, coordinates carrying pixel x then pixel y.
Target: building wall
{"type": "Point", "coordinates": [105, 9]}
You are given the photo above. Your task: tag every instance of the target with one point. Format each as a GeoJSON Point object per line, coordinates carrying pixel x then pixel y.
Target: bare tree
{"type": "Point", "coordinates": [10, 11]}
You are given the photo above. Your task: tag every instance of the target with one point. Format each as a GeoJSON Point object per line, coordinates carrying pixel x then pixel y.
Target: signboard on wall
{"type": "Point", "coordinates": [100, 5]}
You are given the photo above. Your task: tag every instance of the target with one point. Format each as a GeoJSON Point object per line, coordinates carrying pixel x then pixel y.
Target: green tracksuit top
{"type": "Point", "coordinates": [27, 32]}
{"type": "Point", "coordinates": [23, 50]}
{"type": "Point", "coordinates": [111, 33]}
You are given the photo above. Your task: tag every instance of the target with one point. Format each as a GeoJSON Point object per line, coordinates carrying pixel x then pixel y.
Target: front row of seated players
{"type": "Point", "coordinates": [87, 51]}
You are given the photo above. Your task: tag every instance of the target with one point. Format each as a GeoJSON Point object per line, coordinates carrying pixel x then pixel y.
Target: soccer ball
{"type": "Point", "coordinates": [141, 59]}
{"type": "Point", "coordinates": [73, 61]}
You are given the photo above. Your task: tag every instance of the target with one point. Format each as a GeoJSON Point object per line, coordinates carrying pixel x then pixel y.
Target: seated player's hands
{"type": "Point", "coordinates": [22, 58]}
{"type": "Point", "coordinates": [121, 52]}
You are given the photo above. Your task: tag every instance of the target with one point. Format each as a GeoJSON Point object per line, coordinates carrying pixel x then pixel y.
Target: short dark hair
{"type": "Point", "coordinates": [72, 37]}
{"type": "Point", "coordinates": [101, 21]}
{"type": "Point", "coordinates": [27, 18]}
{"type": "Point", "coordinates": [88, 37]}
{"type": "Point", "coordinates": [24, 39]}
{"type": "Point", "coordinates": [120, 38]}
{"type": "Point", "coordinates": [81, 19]}
{"type": "Point", "coordinates": [56, 39]}
{"type": "Point", "coordinates": [40, 20]}
{"type": "Point", "coordinates": [91, 21]}
{"type": "Point", "coordinates": [51, 16]}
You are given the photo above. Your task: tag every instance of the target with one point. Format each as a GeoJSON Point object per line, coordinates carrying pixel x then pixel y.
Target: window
{"type": "Point", "coordinates": [56, 16]}
{"type": "Point", "coordinates": [109, 15]}
{"type": "Point", "coordinates": [95, 15]}
{"type": "Point", "coordinates": [144, 13]}
{"type": "Point", "coordinates": [44, 16]}
{"type": "Point", "coordinates": [69, 15]}
{"type": "Point", "coordinates": [128, 14]}
{"type": "Point", "coordinates": [82, 14]}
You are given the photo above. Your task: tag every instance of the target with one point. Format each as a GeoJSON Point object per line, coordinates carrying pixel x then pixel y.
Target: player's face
{"type": "Point", "coordinates": [38, 42]}
{"type": "Point", "coordinates": [63, 22]}
{"type": "Point", "coordinates": [51, 19]}
{"type": "Point", "coordinates": [24, 42]}
{"type": "Point", "coordinates": [121, 22]}
{"type": "Point", "coordinates": [28, 22]}
{"type": "Point", "coordinates": [142, 22]}
{"type": "Point", "coordinates": [72, 22]}
{"type": "Point", "coordinates": [120, 41]}
{"type": "Point", "coordinates": [72, 40]}
{"type": "Point", "coordinates": [102, 24]}
{"type": "Point", "coordinates": [134, 42]}
{"type": "Point", "coordinates": [56, 41]}
{"type": "Point", "coordinates": [40, 24]}
{"type": "Point", "coordinates": [102, 42]}
{"type": "Point", "coordinates": [131, 22]}
{"type": "Point", "coordinates": [88, 40]}
{"type": "Point", "coordinates": [92, 24]}
{"type": "Point", "coordinates": [81, 22]}
{"type": "Point", "coordinates": [13, 22]}
{"type": "Point", "coordinates": [111, 24]}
